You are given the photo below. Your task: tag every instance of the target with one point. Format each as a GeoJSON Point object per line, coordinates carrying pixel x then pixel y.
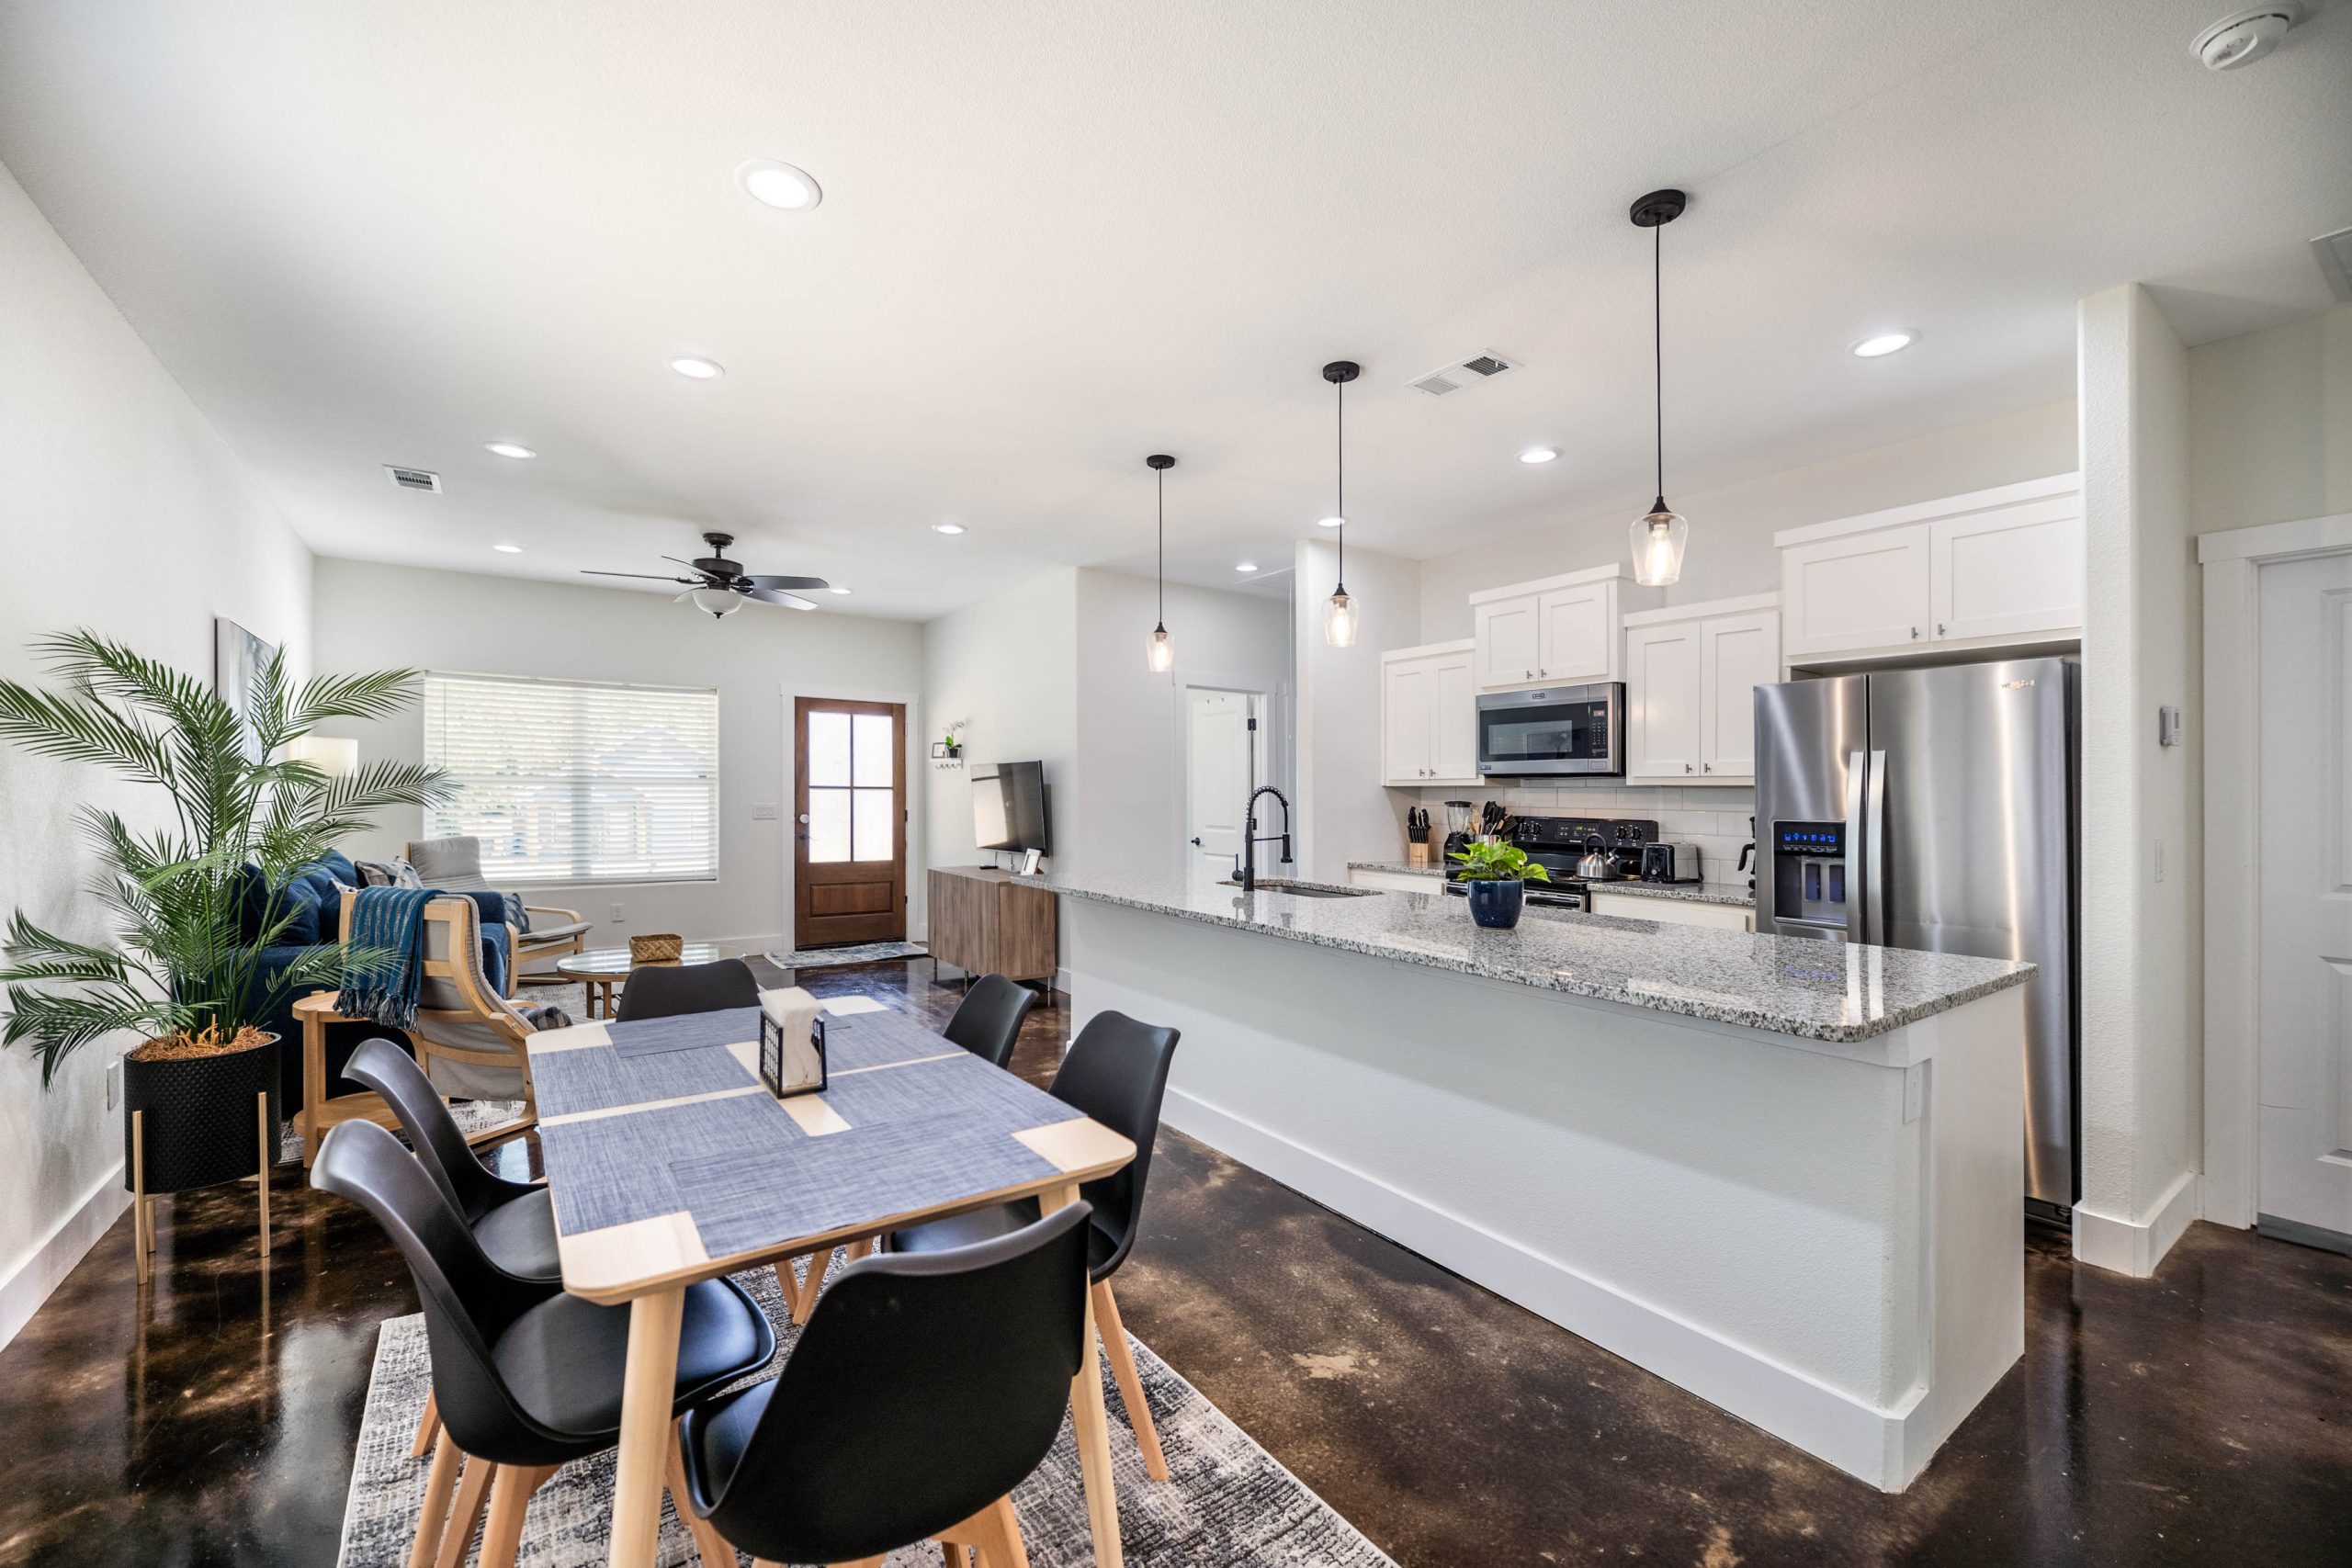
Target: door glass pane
{"type": "Point", "coordinates": [828, 825]}
{"type": "Point", "coordinates": [876, 814]}
{"type": "Point", "coordinates": [829, 749]}
{"type": "Point", "coordinates": [874, 748]}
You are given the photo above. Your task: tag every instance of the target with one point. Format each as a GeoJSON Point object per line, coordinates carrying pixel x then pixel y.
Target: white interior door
{"type": "Point", "coordinates": [1222, 766]}
{"type": "Point", "coordinates": [2305, 908]}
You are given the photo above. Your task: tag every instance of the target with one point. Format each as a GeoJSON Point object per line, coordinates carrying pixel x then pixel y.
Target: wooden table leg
{"type": "Point", "coordinates": [1092, 1424]}
{"type": "Point", "coordinates": [648, 1388]}
{"type": "Point", "coordinates": [315, 1084]}
{"type": "Point", "coordinates": [268, 1158]}
{"type": "Point", "coordinates": [141, 1242]}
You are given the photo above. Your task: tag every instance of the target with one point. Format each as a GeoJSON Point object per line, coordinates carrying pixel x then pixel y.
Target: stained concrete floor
{"type": "Point", "coordinates": [2202, 1416]}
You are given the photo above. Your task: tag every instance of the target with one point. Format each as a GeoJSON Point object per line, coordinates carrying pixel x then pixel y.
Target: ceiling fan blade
{"type": "Point", "coordinates": [811, 585]}
{"type": "Point", "coordinates": [777, 596]}
{"type": "Point", "coordinates": [647, 576]}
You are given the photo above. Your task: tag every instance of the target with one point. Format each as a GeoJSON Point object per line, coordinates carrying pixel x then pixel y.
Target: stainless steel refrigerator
{"type": "Point", "coordinates": [1935, 810]}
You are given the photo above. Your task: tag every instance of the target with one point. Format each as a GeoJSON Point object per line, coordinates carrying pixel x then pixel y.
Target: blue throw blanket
{"type": "Point", "coordinates": [390, 921]}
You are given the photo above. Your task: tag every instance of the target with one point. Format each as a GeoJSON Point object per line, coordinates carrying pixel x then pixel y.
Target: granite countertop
{"type": "Point", "coordinates": [1808, 989]}
{"type": "Point", "coordinates": [1730, 893]}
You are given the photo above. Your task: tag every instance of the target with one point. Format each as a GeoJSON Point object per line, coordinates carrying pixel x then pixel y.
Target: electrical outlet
{"type": "Point", "coordinates": [114, 1083]}
{"type": "Point", "coordinates": [764, 814]}
{"type": "Point", "coordinates": [617, 915]}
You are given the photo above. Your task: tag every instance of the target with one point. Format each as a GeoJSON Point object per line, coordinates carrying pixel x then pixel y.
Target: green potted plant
{"type": "Point", "coordinates": [197, 964]}
{"type": "Point", "coordinates": [1495, 874]}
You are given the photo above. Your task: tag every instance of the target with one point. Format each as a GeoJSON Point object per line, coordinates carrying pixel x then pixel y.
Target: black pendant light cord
{"type": "Point", "coordinates": [1657, 348]}
{"type": "Point", "coordinates": [1161, 477]}
{"type": "Point", "coordinates": [1340, 575]}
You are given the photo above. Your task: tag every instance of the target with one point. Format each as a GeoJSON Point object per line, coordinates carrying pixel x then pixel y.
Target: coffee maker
{"type": "Point", "coordinates": [1457, 832]}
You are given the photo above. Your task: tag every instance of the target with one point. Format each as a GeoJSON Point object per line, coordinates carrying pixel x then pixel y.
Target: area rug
{"type": "Point", "coordinates": [851, 952]}
{"type": "Point", "coordinates": [1227, 1503]}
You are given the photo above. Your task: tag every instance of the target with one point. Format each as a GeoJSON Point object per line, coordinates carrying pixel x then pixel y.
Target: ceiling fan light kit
{"type": "Point", "coordinates": [1160, 654]}
{"type": "Point", "coordinates": [1340, 611]}
{"type": "Point", "coordinates": [721, 586]}
{"type": "Point", "coordinates": [1658, 536]}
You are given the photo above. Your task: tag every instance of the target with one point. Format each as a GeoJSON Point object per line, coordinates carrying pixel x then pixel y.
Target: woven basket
{"type": "Point", "coordinates": [657, 949]}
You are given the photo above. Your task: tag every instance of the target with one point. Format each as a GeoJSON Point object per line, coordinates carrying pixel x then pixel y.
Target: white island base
{"type": "Point", "coordinates": [1823, 1237]}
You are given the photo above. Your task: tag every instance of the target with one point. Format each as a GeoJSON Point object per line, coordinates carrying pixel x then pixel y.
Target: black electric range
{"type": "Point", "coordinates": [1557, 843]}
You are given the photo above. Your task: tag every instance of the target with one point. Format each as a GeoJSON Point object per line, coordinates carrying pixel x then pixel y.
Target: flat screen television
{"type": "Point", "coordinates": [1009, 807]}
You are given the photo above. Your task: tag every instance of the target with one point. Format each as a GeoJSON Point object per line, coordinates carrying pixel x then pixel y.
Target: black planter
{"type": "Point", "coordinates": [1494, 901]}
{"type": "Point", "coordinates": [200, 1124]}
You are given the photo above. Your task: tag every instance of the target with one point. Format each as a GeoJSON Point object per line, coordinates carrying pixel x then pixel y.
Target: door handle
{"type": "Point", "coordinates": [1197, 843]}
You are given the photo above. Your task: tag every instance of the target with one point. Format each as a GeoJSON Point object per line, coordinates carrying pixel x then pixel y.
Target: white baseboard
{"type": "Point", "coordinates": [65, 1246]}
{"type": "Point", "coordinates": [2136, 1247]}
{"type": "Point", "coordinates": [1862, 1439]}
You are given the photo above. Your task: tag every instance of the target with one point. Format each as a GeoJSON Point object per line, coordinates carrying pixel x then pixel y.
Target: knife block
{"type": "Point", "coordinates": [1420, 853]}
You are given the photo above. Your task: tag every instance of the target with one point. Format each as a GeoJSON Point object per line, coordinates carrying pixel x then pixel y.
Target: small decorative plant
{"type": "Point", "coordinates": [1492, 860]}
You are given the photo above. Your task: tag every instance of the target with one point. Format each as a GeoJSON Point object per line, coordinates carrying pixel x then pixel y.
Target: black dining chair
{"type": "Point", "coordinates": [1117, 1072]}
{"type": "Point", "coordinates": [988, 1021]}
{"type": "Point", "coordinates": [923, 1390]}
{"type": "Point", "coordinates": [528, 1377]}
{"type": "Point", "coordinates": [665, 990]}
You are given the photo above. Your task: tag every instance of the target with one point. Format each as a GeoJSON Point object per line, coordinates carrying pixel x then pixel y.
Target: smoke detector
{"type": "Point", "coordinates": [2246, 36]}
{"type": "Point", "coordinates": [1447, 379]}
{"type": "Point", "coordinates": [412, 478]}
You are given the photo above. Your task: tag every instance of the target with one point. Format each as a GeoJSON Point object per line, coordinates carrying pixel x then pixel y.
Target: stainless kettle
{"type": "Point", "coordinates": [1601, 863]}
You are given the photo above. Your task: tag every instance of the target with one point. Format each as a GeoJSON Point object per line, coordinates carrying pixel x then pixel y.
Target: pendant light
{"type": "Point", "coordinates": [1659, 537]}
{"type": "Point", "coordinates": [1160, 654]}
{"type": "Point", "coordinates": [1340, 613]}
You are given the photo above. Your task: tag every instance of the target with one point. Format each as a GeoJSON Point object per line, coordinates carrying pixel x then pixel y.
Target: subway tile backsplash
{"type": "Point", "coordinates": [1714, 818]}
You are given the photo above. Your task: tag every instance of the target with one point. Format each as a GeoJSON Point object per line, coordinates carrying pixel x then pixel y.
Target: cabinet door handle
{"type": "Point", "coordinates": [1531, 675]}
{"type": "Point", "coordinates": [1706, 767]}
{"type": "Point", "coordinates": [1940, 628]}
{"type": "Point", "coordinates": [1686, 767]}
{"type": "Point", "coordinates": [1542, 672]}
{"type": "Point", "coordinates": [1915, 634]}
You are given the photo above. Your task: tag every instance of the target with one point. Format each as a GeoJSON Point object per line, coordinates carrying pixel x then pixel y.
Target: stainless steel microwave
{"type": "Point", "coordinates": [1552, 729]}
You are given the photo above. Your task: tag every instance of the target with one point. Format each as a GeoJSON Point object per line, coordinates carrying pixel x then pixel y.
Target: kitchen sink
{"type": "Point", "coordinates": [1303, 889]}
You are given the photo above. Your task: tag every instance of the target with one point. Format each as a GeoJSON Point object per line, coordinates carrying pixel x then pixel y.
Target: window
{"type": "Point", "coordinates": [853, 786]}
{"type": "Point", "coordinates": [570, 781]}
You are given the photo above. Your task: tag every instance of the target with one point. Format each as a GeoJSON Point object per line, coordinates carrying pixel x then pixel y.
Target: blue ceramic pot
{"type": "Point", "coordinates": [1494, 902]}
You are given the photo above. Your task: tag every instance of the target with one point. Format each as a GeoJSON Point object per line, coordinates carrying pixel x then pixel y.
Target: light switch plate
{"type": "Point", "coordinates": [1914, 1090]}
{"type": "Point", "coordinates": [764, 814]}
{"type": "Point", "coordinates": [2168, 726]}
{"type": "Point", "coordinates": [618, 916]}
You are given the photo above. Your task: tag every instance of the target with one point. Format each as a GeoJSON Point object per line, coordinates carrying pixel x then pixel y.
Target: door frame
{"type": "Point", "coordinates": [1274, 766]}
{"type": "Point", "coordinates": [917, 805]}
{"type": "Point", "coordinates": [2231, 563]}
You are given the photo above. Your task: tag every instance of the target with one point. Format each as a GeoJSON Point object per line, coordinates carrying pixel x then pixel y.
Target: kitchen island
{"type": "Point", "coordinates": [1784, 1175]}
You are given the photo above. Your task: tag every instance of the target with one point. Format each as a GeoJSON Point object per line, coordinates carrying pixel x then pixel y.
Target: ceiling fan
{"type": "Point", "coordinates": [721, 586]}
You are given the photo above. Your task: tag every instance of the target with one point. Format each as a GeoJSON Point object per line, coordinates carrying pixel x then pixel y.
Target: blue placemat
{"type": "Point", "coordinates": [983, 1096]}
{"type": "Point", "coordinates": [613, 1169]}
{"type": "Point", "coordinates": [684, 1030]}
{"type": "Point", "coordinates": [862, 1040]}
{"type": "Point", "coordinates": [598, 1078]}
{"type": "Point", "coordinates": [757, 1197]}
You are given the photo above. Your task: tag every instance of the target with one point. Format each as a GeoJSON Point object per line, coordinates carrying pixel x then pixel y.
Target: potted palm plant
{"type": "Point", "coordinates": [1495, 874]}
{"type": "Point", "coordinates": [195, 963]}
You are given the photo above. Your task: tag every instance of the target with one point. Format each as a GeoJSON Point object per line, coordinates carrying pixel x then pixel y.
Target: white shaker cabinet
{"type": "Point", "coordinates": [1691, 678]}
{"type": "Point", "coordinates": [1969, 571]}
{"type": "Point", "coordinates": [1556, 629]}
{"type": "Point", "coordinates": [1428, 715]}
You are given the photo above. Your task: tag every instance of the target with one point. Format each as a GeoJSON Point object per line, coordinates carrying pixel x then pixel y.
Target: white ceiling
{"type": "Point", "coordinates": [1057, 237]}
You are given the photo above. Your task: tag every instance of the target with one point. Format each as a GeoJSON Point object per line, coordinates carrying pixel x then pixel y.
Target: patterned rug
{"type": "Point", "coordinates": [1227, 1503]}
{"type": "Point", "coordinates": [850, 953]}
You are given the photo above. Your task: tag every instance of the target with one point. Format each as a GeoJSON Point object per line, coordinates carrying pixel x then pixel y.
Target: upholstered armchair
{"type": "Point", "coordinates": [456, 864]}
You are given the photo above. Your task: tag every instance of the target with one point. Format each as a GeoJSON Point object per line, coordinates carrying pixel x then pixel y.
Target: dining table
{"type": "Point", "coordinates": [669, 1162]}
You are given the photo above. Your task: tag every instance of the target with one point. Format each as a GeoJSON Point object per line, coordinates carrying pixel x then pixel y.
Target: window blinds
{"type": "Point", "coordinates": [571, 782]}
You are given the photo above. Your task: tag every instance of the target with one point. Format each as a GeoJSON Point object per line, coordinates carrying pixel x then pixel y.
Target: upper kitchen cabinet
{"type": "Point", "coordinates": [1976, 570]}
{"type": "Point", "coordinates": [1563, 630]}
{"type": "Point", "coordinates": [1428, 721]}
{"type": "Point", "coordinates": [1691, 678]}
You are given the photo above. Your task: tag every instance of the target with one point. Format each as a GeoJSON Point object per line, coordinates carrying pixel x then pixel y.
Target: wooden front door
{"type": "Point", "coordinates": [849, 785]}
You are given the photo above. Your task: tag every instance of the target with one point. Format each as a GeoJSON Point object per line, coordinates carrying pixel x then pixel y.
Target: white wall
{"type": "Point", "coordinates": [107, 460]}
{"type": "Point", "coordinates": [1343, 813]}
{"type": "Point", "coordinates": [1731, 548]}
{"type": "Point", "coordinates": [2270, 425]}
{"type": "Point", "coordinates": [2143, 845]}
{"type": "Point", "coordinates": [1131, 723]}
{"type": "Point", "coordinates": [371, 616]}
{"type": "Point", "coordinates": [1007, 667]}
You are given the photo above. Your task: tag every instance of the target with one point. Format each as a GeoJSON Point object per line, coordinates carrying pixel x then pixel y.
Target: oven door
{"type": "Point", "coordinates": [1555, 729]}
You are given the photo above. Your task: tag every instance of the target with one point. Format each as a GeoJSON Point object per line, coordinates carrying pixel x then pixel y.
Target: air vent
{"type": "Point", "coordinates": [2335, 253]}
{"type": "Point", "coordinates": [414, 479]}
{"type": "Point", "coordinates": [1462, 373]}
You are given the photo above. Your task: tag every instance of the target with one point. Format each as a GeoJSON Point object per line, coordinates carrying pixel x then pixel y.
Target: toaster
{"type": "Point", "coordinates": [1669, 862]}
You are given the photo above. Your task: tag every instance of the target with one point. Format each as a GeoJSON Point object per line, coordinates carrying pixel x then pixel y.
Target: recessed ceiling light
{"type": "Point", "coordinates": [779, 186]}
{"type": "Point", "coordinates": [696, 368]}
{"type": "Point", "coordinates": [1245, 566]}
{"type": "Point", "coordinates": [1539, 453]}
{"type": "Point", "coordinates": [1331, 522]}
{"type": "Point", "coordinates": [508, 550]}
{"type": "Point", "coordinates": [508, 449]}
{"type": "Point", "coordinates": [837, 587]}
{"type": "Point", "coordinates": [947, 527]}
{"type": "Point", "coordinates": [1880, 343]}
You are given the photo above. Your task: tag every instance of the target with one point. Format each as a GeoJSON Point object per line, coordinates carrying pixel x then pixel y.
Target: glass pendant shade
{"type": "Point", "coordinates": [716, 601]}
{"type": "Point", "coordinates": [1658, 547]}
{"type": "Point", "coordinates": [1160, 654]}
{"type": "Point", "coordinates": [1340, 620]}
